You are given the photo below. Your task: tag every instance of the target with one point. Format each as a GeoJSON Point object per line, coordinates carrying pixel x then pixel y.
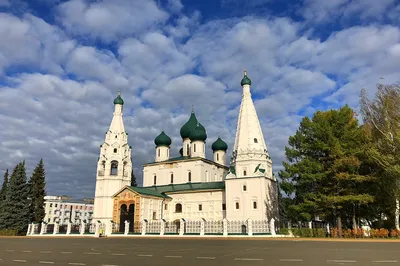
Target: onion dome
{"type": "Point", "coordinates": [119, 100]}
{"type": "Point", "coordinates": [219, 145]}
{"type": "Point", "coordinates": [162, 140]}
{"type": "Point", "coordinates": [190, 125]}
{"type": "Point", "coordinates": [198, 134]}
{"type": "Point", "coordinates": [245, 80]}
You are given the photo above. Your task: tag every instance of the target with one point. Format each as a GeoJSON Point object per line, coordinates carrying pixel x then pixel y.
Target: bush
{"type": "Point", "coordinates": [284, 231]}
{"type": "Point", "coordinates": [8, 232]}
{"type": "Point", "coordinates": [319, 232]}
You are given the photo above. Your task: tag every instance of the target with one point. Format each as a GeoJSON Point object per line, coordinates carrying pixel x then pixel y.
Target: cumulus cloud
{"type": "Point", "coordinates": [58, 82]}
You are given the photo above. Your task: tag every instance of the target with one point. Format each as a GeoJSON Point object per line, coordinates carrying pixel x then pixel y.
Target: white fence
{"type": "Point", "coordinates": [160, 227]}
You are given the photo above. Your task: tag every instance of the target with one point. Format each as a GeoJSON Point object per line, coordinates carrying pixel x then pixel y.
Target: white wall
{"type": "Point", "coordinates": [211, 202]}
{"type": "Point", "coordinates": [201, 171]}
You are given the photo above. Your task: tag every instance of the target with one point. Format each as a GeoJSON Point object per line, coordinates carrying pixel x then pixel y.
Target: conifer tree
{"type": "Point", "coordinates": [37, 192]}
{"type": "Point", "coordinates": [16, 202]}
{"type": "Point", "coordinates": [2, 200]}
{"type": "Point", "coordinates": [133, 180]}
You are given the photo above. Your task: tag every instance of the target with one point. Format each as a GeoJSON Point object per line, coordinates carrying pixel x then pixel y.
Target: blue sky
{"type": "Point", "coordinates": [62, 63]}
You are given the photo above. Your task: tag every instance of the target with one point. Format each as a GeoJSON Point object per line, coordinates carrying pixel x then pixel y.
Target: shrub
{"type": "Point", "coordinates": [8, 232]}
{"type": "Point", "coordinates": [284, 231]}
{"type": "Point", "coordinates": [382, 232]}
{"type": "Point", "coordinates": [319, 232]}
{"type": "Point", "coordinates": [395, 233]}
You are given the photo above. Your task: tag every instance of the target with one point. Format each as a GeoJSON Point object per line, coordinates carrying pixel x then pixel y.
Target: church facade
{"type": "Point", "coordinates": [189, 187]}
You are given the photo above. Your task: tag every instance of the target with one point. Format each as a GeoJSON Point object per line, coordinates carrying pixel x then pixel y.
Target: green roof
{"type": "Point", "coordinates": [245, 80]}
{"type": "Point", "coordinates": [119, 100]}
{"type": "Point", "coordinates": [219, 145]}
{"type": "Point", "coordinates": [187, 187]}
{"type": "Point", "coordinates": [190, 125]}
{"type": "Point", "coordinates": [148, 192]}
{"type": "Point", "coordinates": [198, 134]}
{"type": "Point", "coordinates": [162, 140]}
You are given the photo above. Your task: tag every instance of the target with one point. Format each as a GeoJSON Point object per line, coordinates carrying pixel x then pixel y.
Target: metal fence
{"type": "Point", "coordinates": [50, 229]}
{"type": "Point", "coordinates": [37, 228]}
{"type": "Point", "coordinates": [62, 229]}
{"type": "Point", "coordinates": [192, 227]}
{"type": "Point", "coordinates": [90, 228]}
{"type": "Point", "coordinates": [237, 227]}
{"type": "Point", "coordinates": [171, 227]}
{"type": "Point", "coordinates": [213, 227]}
{"type": "Point", "coordinates": [153, 227]}
{"type": "Point", "coordinates": [75, 229]}
{"type": "Point", "coordinates": [261, 227]}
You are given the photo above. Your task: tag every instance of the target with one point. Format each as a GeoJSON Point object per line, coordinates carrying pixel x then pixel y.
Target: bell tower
{"type": "Point", "coordinates": [114, 165]}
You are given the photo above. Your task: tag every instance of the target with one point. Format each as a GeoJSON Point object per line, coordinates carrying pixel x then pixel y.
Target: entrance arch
{"type": "Point", "coordinates": [126, 214]}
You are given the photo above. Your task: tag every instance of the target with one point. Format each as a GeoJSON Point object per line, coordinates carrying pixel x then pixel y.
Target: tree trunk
{"type": "Point", "coordinates": [354, 217]}
{"type": "Point", "coordinates": [397, 214]}
{"type": "Point", "coordinates": [339, 226]}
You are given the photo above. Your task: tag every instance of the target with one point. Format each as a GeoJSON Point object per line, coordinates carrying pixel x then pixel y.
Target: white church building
{"type": "Point", "coordinates": [190, 187]}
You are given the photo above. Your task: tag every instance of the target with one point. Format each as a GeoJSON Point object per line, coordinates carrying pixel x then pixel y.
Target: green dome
{"type": "Point", "coordinates": [199, 133]}
{"type": "Point", "coordinates": [119, 100]}
{"type": "Point", "coordinates": [245, 80]}
{"type": "Point", "coordinates": [162, 140]}
{"type": "Point", "coordinates": [190, 125]}
{"type": "Point", "coordinates": [219, 145]}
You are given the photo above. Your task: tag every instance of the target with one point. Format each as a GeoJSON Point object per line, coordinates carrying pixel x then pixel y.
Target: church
{"type": "Point", "coordinates": [191, 186]}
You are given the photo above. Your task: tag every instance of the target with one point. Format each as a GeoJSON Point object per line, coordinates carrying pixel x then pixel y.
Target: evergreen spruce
{"type": "Point", "coordinates": [133, 180]}
{"type": "Point", "coordinates": [16, 202]}
{"type": "Point", "coordinates": [2, 200]}
{"type": "Point", "coordinates": [37, 193]}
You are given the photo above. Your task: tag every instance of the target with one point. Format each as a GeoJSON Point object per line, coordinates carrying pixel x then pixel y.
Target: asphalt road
{"type": "Point", "coordinates": [165, 252]}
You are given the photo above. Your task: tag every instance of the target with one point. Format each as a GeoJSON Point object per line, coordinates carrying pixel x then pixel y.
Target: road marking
{"type": "Point", "coordinates": [47, 262]}
{"type": "Point", "coordinates": [109, 265]}
{"type": "Point", "coordinates": [10, 250]}
{"type": "Point", "coordinates": [206, 258]}
{"type": "Point", "coordinates": [91, 253]}
{"type": "Point", "coordinates": [76, 263]}
{"type": "Point", "coordinates": [247, 259]}
{"type": "Point", "coordinates": [119, 254]}
{"type": "Point", "coordinates": [173, 256]}
{"type": "Point", "coordinates": [26, 251]}
{"type": "Point", "coordinates": [294, 260]}
{"type": "Point", "coordinates": [385, 261]}
{"type": "Point", "coordinates": [45, 251]}
{"type": "Point", "coordinates": [342, 261]}
{"type": "Point", "coordinates": [144, 255]}
{"type": "Point", "coordinates": [66, 252]}
{"type": "Point", "coordinates": [19, 260]}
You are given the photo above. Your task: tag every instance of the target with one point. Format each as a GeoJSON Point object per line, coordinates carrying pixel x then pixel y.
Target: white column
{"type": "Point", "coordinates": [272, 227]}
{"type": "Point", "coordinates": [162, 229]}
{"type": "Point", "coordinates": [109, 228]}
{"type": "Point", "coordinates": [42, 228]}
{"type": "Point", "coordinates": [310, 224]}
{"type": "Point", "coordinates": [83, 225]}
{"type": "Point", "coordinates": [249, 227]}
{"type": "Point", "coordinates": [56, 229]}
{"type": "Point", "coordinates": [29, 229]}
{"type": "Point", "coordinates": [69, 228]}
{"type": "Point", "coordinates": [225, 226]}
{"type": "Point", "coordinates": [126, 232]}
{"type": "Point", "coordinates": [202, 228]}
{"type": "Point", "coordinates": [182, 227]}
{"type": "Point", "coordinates": [144, 225]}
{"type": "Point", "coordinates": [97, 230]}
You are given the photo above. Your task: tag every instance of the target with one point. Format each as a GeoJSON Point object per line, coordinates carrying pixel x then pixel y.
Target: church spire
{"type": "Point", "coordinates": [249, 137]}
{"type": "Point", "coordinates": [117, 124]}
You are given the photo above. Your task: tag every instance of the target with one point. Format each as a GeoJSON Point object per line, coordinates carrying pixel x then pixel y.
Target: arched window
{"type": "Point", "coordinates": [244, 172]}
{"type": "Point", "coordinates": [194, 147]}
{"type": "Point", "coordinates": [217, 157]}
{"type": "Point", "coordinates": [190, 177]}
{"type": "Point", "coordinates": [187, 150]}
{"type": "Point", "coordinates": [155, 179]}
{"type": "Point", "coordinates": [244, 188]}
{"type": "Point", "coordinates": [115, 150]}
{"type": "Point", "coordinates": [237, 205]}
{"type": "Point", "coordinates": [254, 204]}
{"type": "Point", "coordinates": [178, 208]}
{"type": "Point", "coordinates": [124, 209]}
{"type": "Point", "coordinates": [172, 178]}
{"type": "Point", "coordinates": [158, 152]}
{"type": "Point", "coordinates": [255, 140]}
{"type": "Point", "coordinates": [114, 168]}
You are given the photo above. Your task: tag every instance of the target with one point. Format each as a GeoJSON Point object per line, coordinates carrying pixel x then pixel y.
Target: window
{"type": "Point", "coordinates": [190, 176]}
{"type": "Point", "coordinates": [114, 168]}
{"type": "Point", "coordinates": [115, 150]}
{"type": "Point", "coordinates": [48, 220]}
{"type": "Point", "coordinates": [51, 205]}
{"type": "Point", "coordinates": [237, 205]}
{"type": "Point", "coordinates": [155, 179]}
{"type": "Point", "coordinates": [166, 207]}
{"type": "Point", "coordinates": [55, 205]}
{"type": "Point", "coordinates": [178, 208]}
{"type": "Point", "coordinates": [172, 178]}
{"type": "Point", "coordinates": [154, 215]}
{"type": "Point", "coordinates": [194, 147]}
{"type": "Point", "coordinates": [223, 206]}
{"type": "Point", "coordinates": [244, 188]}
{"type": "Point", "coordinates": [200, 207]}
{"type": "Point", "coordinates": [81, 207]}
{"type": "Point", "coordinates": [158, 152]}
{"type": "Point", "coordinates": [254, 204]}
{"type": "Point", "coordinates": [255, 140]}
{"type": "Point", "coordinates": [187, 150]}
{"type": "Point", "coordinates": [244, 172]}
{"type": "Point", "coordinates": [217, 157]}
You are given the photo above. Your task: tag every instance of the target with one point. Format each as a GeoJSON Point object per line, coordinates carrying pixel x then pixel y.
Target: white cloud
{"type": "Point", "coordinates": [110, 19]}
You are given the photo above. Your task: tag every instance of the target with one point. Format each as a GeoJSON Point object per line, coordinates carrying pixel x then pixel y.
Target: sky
{"type": "Point", "coordinates": [63, 62]}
